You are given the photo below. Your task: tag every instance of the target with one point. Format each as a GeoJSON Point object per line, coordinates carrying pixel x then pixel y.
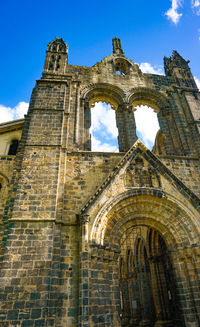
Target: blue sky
{"type": "Point", "coordinates": [149, 30]}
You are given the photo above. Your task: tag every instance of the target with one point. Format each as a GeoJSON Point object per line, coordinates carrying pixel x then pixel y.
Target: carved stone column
{"type": "Point", "coordinates": [84, 272]}
{"type": "Point", "coordinates": [125, 121]}
{"type": "Point", "coordinates": [130, 125]}
{"type": "Point", "coordinates": [186, 262]}
{"type": "Point", "coordinates": [84, 220]}
{"type": "Point", "coordinates": [87, 124]}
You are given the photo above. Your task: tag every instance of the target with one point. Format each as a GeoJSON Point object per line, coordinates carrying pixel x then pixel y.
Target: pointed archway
{"type": "Point", "coordinates": [145, 237]}
{"type": "Point", "coordinates": [147, 288]}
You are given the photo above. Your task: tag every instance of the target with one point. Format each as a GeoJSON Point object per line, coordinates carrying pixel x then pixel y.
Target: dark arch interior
{"type": "Point", "coordinates": [147, 288]}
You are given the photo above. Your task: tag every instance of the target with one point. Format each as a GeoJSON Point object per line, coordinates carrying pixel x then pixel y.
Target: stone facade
{"type": "Point", "coordinates": [94, 239]}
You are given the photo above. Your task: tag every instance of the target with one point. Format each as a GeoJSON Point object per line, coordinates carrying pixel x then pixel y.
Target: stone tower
{"type": "Point", "coordinates": [93, 239]}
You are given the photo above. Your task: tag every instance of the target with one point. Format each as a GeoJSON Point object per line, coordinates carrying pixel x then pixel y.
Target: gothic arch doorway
{"type": "Point", "coordinates": [147, 236]}
{"type": "Point", "coordinates": [147, 288]}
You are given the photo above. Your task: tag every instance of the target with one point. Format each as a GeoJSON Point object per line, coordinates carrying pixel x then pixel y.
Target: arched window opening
{"type": "Point", "coordinates": [121, 66]}
{"type": "Point", "coordinates": [104, 132]}
{"type": "Point", "coordinates": [147, 125]}
{"type": "Point", "coordinates": [13, 147]}
{"type": "Point", "coordinates": [119, 72]}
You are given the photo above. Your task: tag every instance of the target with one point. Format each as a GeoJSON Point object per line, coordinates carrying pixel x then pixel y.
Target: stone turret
{"type": "Point", "coordinates": [117, 47]}
{"type": "Point", "coordinates": [56, 57]}
{"type": "Point", "coordinates": [176, 66]}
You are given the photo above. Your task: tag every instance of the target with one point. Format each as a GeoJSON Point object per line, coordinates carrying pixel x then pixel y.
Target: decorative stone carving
{"type": "Point", "coordinates": [84, 219]}
{"type": "Point", "coordinates": [141, 174]}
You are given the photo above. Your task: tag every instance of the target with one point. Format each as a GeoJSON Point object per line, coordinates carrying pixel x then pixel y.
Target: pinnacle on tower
{"type": "Point", "coordinates": [177, 67]}
{"type": "Point", "coordinates": [117, 47]}
{"type": "Point", "coordinates": [56, 56]}
{"type": "Point", "coordinates": [58, 45]}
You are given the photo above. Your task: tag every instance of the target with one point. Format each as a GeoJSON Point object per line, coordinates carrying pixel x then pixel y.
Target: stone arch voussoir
{"type": "Point", "coordinates": [152, 208]}
{"type": "Point", "coordinates": [149, 97]}
{"type": "Point", "coordinates": [4, 178]}
{"type": "Point", "coordinates": [103, 92]}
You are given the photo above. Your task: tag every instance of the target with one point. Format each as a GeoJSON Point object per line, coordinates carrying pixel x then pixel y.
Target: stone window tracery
{"type": "Point", "coordinates": [121, 66]}
{"type": "Point", "coordinates": [54, 62]}
{"type": "Point", "coordinates": [54, 47]}
{"type": "Point", "coordinates": [140, 174]}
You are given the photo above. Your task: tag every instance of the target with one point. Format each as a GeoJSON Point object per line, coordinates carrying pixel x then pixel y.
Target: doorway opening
{"type": "Point", "coordinates": [104, 132]}
{"type": "Point", "coordinates": [147, 288]}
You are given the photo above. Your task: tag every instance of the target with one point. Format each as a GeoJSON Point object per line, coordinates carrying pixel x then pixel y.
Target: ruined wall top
{"type": "Point", "coordinates": [176, 68]}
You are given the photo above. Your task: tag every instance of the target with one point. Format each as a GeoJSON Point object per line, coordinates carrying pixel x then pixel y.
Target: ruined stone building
{"type": "Point", "coordinates": [95, 239]}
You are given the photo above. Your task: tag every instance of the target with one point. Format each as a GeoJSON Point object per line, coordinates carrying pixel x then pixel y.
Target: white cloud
{"type": "Point", "coordinates": [146, 119]}
{"type": "Point", "coordinates": [197, 82]}
{"type": "Point", "coordinates": [148, 68]}
{"type": "Point", "coordinates": [97, 145]}
{"type": "Point", "coordinates": [104, 131]}
{"type": "Point", "coordinates": [172, 13]}
{"type": "Point", "coordinates": [147, 125]}
{"type": "Point", "coordinates": [103, 128]}
{"type": "Point", "coordinates": [195, 4]}
{"type": "Point", "coordinates": [103, 118]}
{"type": "Point", "coordinates": [8, 114]}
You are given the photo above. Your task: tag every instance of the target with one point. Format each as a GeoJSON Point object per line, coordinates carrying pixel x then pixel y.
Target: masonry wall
{"type": "Point", "coordinates": [187, 170]}
{"type": "Point", "coordinates": [50, 275]}
{"type": "Point", "coordinates": [40, 263]}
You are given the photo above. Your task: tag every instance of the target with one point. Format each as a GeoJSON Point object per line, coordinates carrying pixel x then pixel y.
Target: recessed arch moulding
{"type": "Point", "coordinates": [120, 208]}
{"type": "Point", "coordinates": [141, 212]}
{"type": "Point", "coordinates": [142, 189]}
{"type": "Point", "coordinates": [178, 225]}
